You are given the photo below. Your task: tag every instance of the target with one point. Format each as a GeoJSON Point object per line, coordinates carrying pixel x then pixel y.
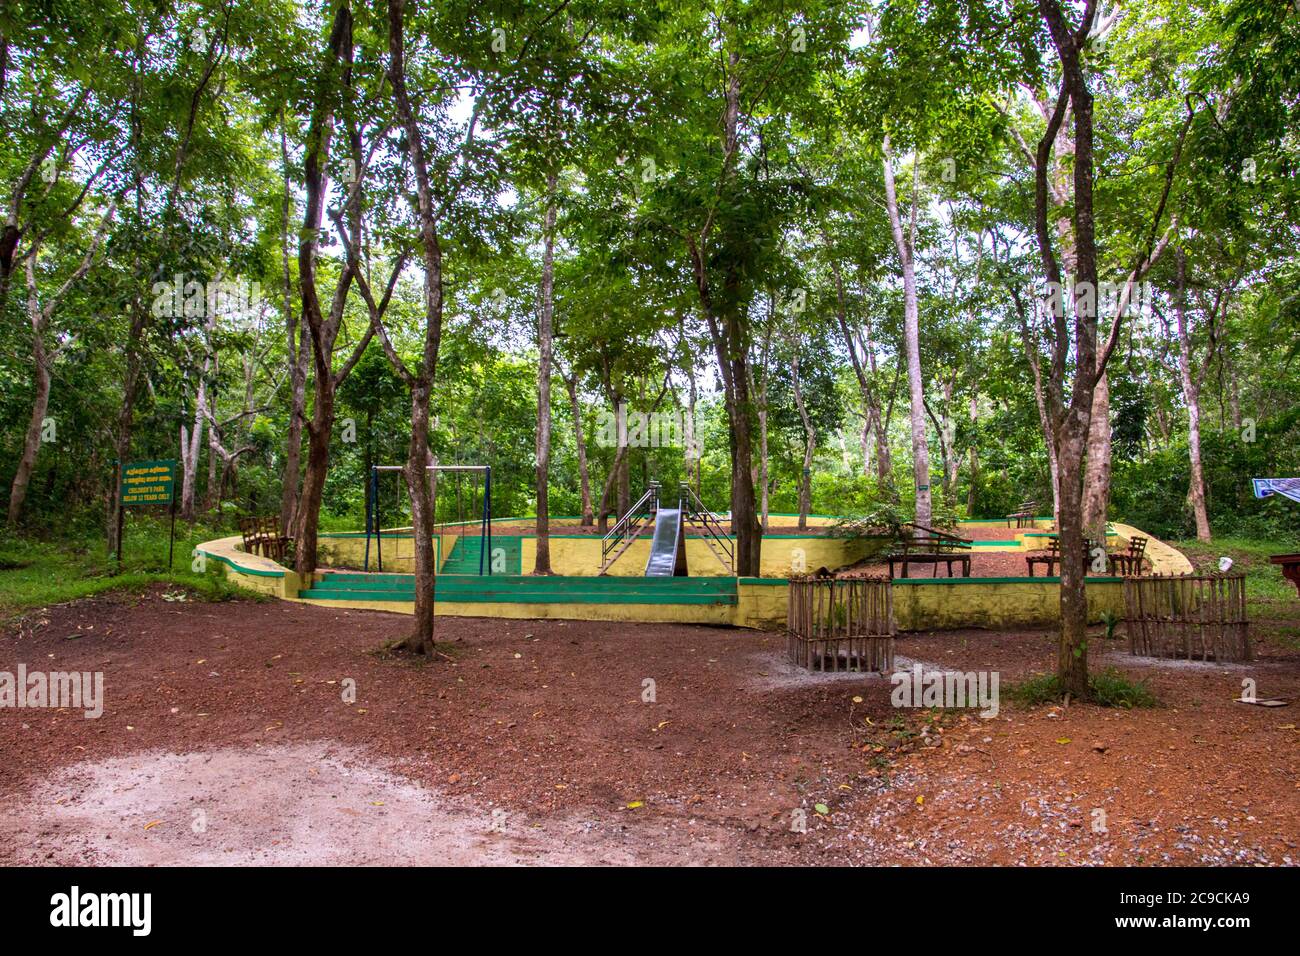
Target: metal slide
{"type": "Point", "coordinates": [663, 549]}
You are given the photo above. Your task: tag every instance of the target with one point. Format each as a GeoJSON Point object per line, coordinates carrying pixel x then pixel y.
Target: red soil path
{"type": "Point", "coordinates": [542, 724]}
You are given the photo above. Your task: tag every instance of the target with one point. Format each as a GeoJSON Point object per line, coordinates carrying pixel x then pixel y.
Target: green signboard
{"type": "Point", "coordinates": [148, 482]}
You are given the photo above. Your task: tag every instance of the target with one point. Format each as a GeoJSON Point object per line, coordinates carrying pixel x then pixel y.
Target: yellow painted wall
{"type": "Point", "coordinates": [762, 605]}
{"type": "Point", "coordinates": [997, 604]}
{"type": "Point", "coordinates": [580, 555]}
{"type": "Point", "coordinates": [1164, 558]}
{"type": "Point", "coordinates": [251, 571]}
{"type": "Point", "coordinates": [993, 603]}
{"type": "Point", "coordinates": [349, 551]}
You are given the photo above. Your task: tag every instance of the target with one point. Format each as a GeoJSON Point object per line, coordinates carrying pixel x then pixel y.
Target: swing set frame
{"type": "Point", "coordinates": [374, 526]}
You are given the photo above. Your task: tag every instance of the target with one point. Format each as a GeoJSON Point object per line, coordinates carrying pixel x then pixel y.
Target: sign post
{"type": "Point", "coordinates": [149, 483]}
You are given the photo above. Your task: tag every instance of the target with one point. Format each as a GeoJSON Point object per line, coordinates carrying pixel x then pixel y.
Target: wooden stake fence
{"type": "Point", "coordinates": [1188, 616]}
{"type": "Point", "coordinates": [841, 625]}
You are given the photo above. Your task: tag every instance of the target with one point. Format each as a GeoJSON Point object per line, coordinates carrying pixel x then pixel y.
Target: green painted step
{"type": "Point", "coordinates": [516, 597]}
{"type": "Point", "coordinates": [526, 589]}
{"type": "Point", "coordinates": [508, 594]}
{"type": "Point", "coordinates": [465, 552]}
{"type": "Point", "coordinates": [556, 593]}
{"type": "Point", "coordinates": [530, 582]}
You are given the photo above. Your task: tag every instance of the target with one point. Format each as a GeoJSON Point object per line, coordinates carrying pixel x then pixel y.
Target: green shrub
{"type": "Point", "coordinates": [1109, 688]}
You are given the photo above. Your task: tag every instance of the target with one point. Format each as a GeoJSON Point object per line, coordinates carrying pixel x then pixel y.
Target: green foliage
{"type": "Point", "coordinates": [1110, 688]}
{"type": "Point", "coordinates": [623, 103]}
{"type": "Point", "coordinates": [37, 573]}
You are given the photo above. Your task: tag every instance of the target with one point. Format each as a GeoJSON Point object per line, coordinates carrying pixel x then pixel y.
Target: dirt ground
{"type": "Point", "coordinates": [226, 738]}
{"type": "Point", "coordinates": [983, 564]}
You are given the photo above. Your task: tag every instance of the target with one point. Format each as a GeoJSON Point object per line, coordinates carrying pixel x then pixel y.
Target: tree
{"type": "Point", "coordinates": [333, 92]}
{"type": "Point", "coordinates": [905, 243]}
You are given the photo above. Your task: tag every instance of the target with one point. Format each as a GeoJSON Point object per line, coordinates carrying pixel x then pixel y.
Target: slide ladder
{"type": "Point", "coordinates": [629, 527]}
{"type": "Point", "coordinates": [714, 534]}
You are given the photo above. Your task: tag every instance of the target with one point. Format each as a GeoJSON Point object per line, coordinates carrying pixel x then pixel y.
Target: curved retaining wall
{"type": "Point", "coordinates": [919, 603]}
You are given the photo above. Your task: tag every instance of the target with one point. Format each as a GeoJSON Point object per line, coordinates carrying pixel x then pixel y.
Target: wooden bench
{"type": "Point", "coordinates": [1290, 564]}
{"type": "Point", "coordinates": [1129, 561]}
{"type": "Point", "coordinates": [1052, 556]}
{"type": "Point", "coordinates": [930, 547]}
{"type": "Point", "coordinates": [262, 536]}
{"type": "Point", "coordinates": [1025, 515]}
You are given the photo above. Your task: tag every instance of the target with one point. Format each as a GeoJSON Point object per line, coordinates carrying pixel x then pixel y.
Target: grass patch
{"type": "Point", "coordinates": [40, 573]}
{"type": "Point", "coordinates": [1109, 688]}
{"type": "Point", "coordinates": [1264, 581]}
{"type": "Point", "coordinates": [1271, 600]}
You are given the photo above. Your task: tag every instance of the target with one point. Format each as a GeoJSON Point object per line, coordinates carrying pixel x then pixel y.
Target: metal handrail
{"type": "Point", "coordinates": [710, 522]}
{"type": "Point", "coordinates": [631, 524]}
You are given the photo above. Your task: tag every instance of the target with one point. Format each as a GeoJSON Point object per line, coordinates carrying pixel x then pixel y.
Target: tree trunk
{"type": "Point", "coordinates": [296, 346]}
{"type": "Point", "coordinates": [545, 341]}
{"type": "Point", "coordinates": [190, 446]}
{"type": "Point", "coordinates": [126, 420]}
{"type": "Point", "coordinates": [1192, 397]}
{"type": "Point", "coordinates": [974, 455]}
{"type": "Point", "coordinates": [323, 328]}
{"type": "Point", "coordinates": [763, 460]}
{"type": "Point", "coordinates": [602, 518]}
{"type": "Point", "coordinates": [740, 408]}
{"type": "Point", "coordinates": [1072, 648]}
{"type": "Point", "coordinates": [871, 412]}
{"type": "Point", "coordinates": [421, 382]}
{"type": "Point", "coordinates": [416, 473]}
{"type": "Point", "coordinates": [213, 498]}
{"type": "Point", "coordinates": [580, 441]}
{"type": "Point", "coordinates": [307, 520]}
{"type": "Point", "coordinates": [1096, 482]}
{"type": "Point", "coordinates": [911, 336]}
{"type": "Point", "coordinates": [32, 440]}
{"type": "Point", "coordinates": [1073, 419]}
{"type": "Point", "coordinates": [729, 332]}
{"type": "Point", "coordinates": [810, 444]}
{"type": "Point", "coordinates": [693, 450]}
{"type": "Point", "coordinates": [625, 484]}
{"type": "Point", "coordinates": [948, 443]}
{"type": "Point", "coordinates": [744, 516]}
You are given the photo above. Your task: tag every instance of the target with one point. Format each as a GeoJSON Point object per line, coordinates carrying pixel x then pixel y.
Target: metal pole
{"type": "Point", "coordinates": [487, 512]}
{"type": "Point", "coordinates": [379, 531]}
{"type": "Point", "coordinates": [370, 497]}
{"type": "Point", "coordinates": [120, 512]}
{"type": "Point", "coordinates": [171, 539]}
{"type": "Point", "coordinates": [482, 533]}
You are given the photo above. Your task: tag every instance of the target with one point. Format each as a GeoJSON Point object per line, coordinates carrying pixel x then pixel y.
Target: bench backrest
{"type": "Point", "coordinates": [932, 540]}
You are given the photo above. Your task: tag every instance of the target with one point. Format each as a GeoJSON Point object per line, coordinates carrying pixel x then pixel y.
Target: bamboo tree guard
{"type": "Point", "coordinates": [841, 625]}
{"type": "Point", "coordinates": [1188, 616]}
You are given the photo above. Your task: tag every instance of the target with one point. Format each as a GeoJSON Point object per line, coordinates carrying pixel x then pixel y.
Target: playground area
{"type": "Point", "coordinates": [668, 559]}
